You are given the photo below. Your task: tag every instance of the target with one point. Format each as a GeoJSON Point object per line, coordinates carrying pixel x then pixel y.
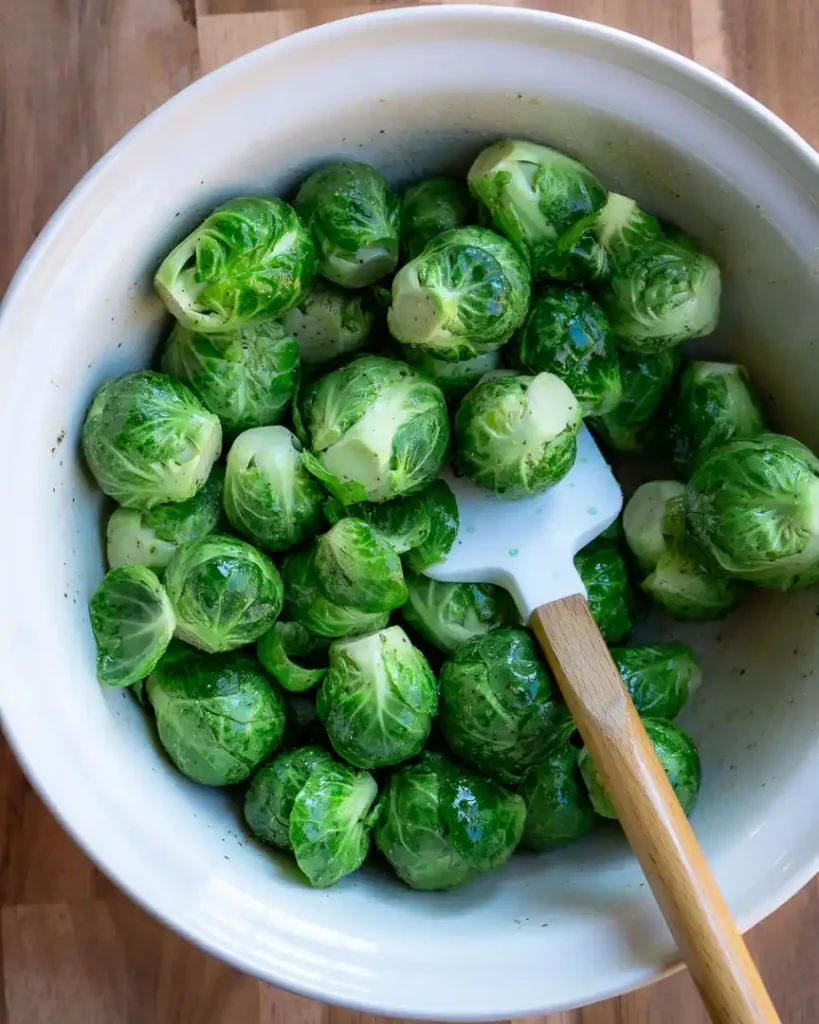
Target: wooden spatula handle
{"type": "Point", "coordinates": [651, 816]}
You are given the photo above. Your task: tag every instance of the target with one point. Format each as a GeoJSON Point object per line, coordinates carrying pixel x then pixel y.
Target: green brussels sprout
{"type": "Point", "coordinates": [631, 426]}
{"type": "Point", "coordinates": [558, 808]}
{"type": "Point", "coordinates": [566, 333]}
{"type": "Point", "coordinates": [377, 430]}
{"type": "Point", "coordinates": [454, 379]}
{"type": "Point", "coordinates": [660, 678]}
{"type": "Point", "coordinates": [622, 230]}
{"type": "Point", "coordinates": [246, 377]}
{"type": "Point", "coordinates": [148, 440]}
{"type": "Point", "coordinates": [225, 593]}
{"type": "Point", "coordinates": [218, 716]}
{"type": "Point", "coordinates": [251, 259]}
{"type": "Point", "coordinates": [430, 208]}
{"type": "Point", "coordinates": [330, 322]}
{"type": "Point", "coordinates": [466, 294]}
{"type": "Point", "coordinates": [270, 498]}
{"type": "Point", "coordinates": [448, 614]}
{"type": "Point", "coordinates": [273, 790]}
{"type": "Point", "coordinates": [517, 436]}
{"type": "Point", "coordinates": [150, 538]}
{"type": "Point", "coordinates": [355, 217]}
{"type": "Point", "coordinates": [666, 295]}
{"type": "Point", "coordinates": [276, 648]}
{"type": "Point", "coordinates": [331, 821]}
{"type": "Point", "coordinates": [133, 623]}
{"type": "Point", "coordinates": [678, 755]}
{"type": "Point", "coordinates": [378, 699]}
{"type": "Point", "coordinates": [605, 577]}
{"type": "Point", "coordinates": [753, 507]}
{"type": "Point", "coordinates": [441, 510]}
{"type": "Point", "coordinates": [714, 403]}
{"type": "Point", "coordinates": [499, 709]}
{"type": "Point", "coordinates": [653, 516]}
{"type": "Point", "coordinates": [441, 826]}
{"type": "Point", "coordinates": [539, 198]}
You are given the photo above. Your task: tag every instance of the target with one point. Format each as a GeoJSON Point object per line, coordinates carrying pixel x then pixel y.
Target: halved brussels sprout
{"type": "Point", "coordinates": [133, 623]}
{"type": "Point", "coordinates": [378, 699]}
{"type": "Point", "coordinates": [539, 198]}
{"type": "Point", "coordinates": [654, 515]}
{"type": "Point", "coordinates": [678, 755]}
{"type": "Point", "coordinates": [631, 426]}
{"type": "Point", "coordinates": [660, 678]}
{"type": "Point", "coordinates": [567, 333]}
{"type": "Point", "coordinates": [251, 259]}
{"type": "Point", "coordinates": [753, 506]}
{"type": "Point", "coordinates": [331, 821]}
{"type": "Point", "coordinates": [441, 826]}
{"type": "Point", "coordinates": [430, 208]}
{"type": "Point", "coordinates": [454, 379]}
{"type": "Point", "coordinates": [270, 498]}
{"type": "Point", "coordinates": [517, 436]}
{"type": "Point", "coordinates": [149, 440]}
{"type": "Point", "coordinates": [605, 577]}
{"type": "Point", "coordinates": [225, 593]}
{"type": "Point", "coordinates": [273, 790]}
{"type": "Point", "coordinates": [558, 809]}
{"type": "Point", "coordinates": [277, 647]}
{"type": "Point", "coordinates": [376, 430]}
{"type": "Point", "coordinates": [354, 216]}
{"type": "Point", "coordinates": [247, 377]}
{"type": "Point", "coordinates": [448, 614]}
{"type": "Point", "coordinates": [330, 322]}
{"type": "Point", "coordinates": [218, 716]}
{"type": "Point", "coordinates": [499, 708]}
{"type": "Point", "coordinates": [466, 294]}
{"type": "Point", "coordinates": [714, 403]}
{"type": "Point", "coordinates": [150, 538]}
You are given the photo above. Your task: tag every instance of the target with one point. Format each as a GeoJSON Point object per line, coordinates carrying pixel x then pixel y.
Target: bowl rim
{"type": "Point", "coordinates": [80, 828]}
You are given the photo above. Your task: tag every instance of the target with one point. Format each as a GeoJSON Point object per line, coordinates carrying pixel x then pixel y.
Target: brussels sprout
{"type": "Point", "coordinates": [274, 650]}
{"type": "Point", "coordinates": [659, 678]}
{"type": "Point", "coordinates": [354, 216]}
{"type": "Point", "coordinates": [273, 790]}
{"type": "Point", "coordinates": [441, 826]}
{"type": "Point", "coordinates": [331, 821]}
{"type": "Point", "coordinates": [668, 294]}
{"type": "Point", "coordinates": [714, 403]}
{"type": "Point", "coordinates": [448, 614]}
{"type": "Point", "coordinates": [430, 208]}
{"type": "Point", "coordinates": [466, 294]}
{"type": "Point", "coordinates": [653, 515]}
{"type": "Point", "coordinates": [270, 498]}
{"type": "Point", "coordinates": [566, 333]}
{"type": "Point", "coordinates": [218, 716]}
{"type": "Point", "coordinates": [150, 538]}
{"type": "Point", "coordinates": [441, 509]}
{"type": "Point", "coordinates": [499, 710]}
{"type": "Point", "coordinates": [622, 230]}
{"type": "Point", "coordinates": [454, 379]}
{"type": "Point", "coordinates": [558, 809]}
{"type": "Point", "coordinates": [133, 623]}
{"type": "Point", "coordinates": [378, 699]}
{"type": "Point", "coordinates": [148, 440]}
{"type": "Point", "coordinates": [252, 258]}
{"type": "Point", "coordinates": [646, 380]}
{"type": "Point", "coordinates": [605, 577]}
{"type": "Point", "coordinates": [377, 430]}
{"type": "Point", "coordinates": [517, 436]}
{"type": "Point", "coordinates": [539, 198]}
{"type": "Point", "coordinates": [330, 322]}
{"type": "Point", "coordinates": [753, 506]}
{"type": "Point", "coordinates": [678, 755]}
{"type": "Point", "coordinates": [246, 377]}
{"type": "Point", "coordinates": [225, 593]}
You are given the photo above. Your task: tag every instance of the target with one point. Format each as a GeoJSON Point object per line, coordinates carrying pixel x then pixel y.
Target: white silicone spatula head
{"type": "Point", "coordinates": [528, 546]}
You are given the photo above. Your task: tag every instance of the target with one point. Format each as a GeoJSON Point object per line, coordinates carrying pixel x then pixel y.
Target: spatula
{"type": "Point", "coordinates": [528, 547]}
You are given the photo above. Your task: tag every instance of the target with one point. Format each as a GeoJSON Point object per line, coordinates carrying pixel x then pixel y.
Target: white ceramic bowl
{"type": "Point", "coordinates": [413, 92]}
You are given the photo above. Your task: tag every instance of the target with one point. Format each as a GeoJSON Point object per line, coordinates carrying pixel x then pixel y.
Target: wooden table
{"type": "Point", "coordinates": [75, 75]}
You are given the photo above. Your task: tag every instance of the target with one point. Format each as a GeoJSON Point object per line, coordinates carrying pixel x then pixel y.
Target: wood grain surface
{"type": "Point", "coordinates": [75, 75]}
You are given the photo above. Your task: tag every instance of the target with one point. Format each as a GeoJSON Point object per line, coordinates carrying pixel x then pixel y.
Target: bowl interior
{"type": "Point", "coordinates": [410, 94]}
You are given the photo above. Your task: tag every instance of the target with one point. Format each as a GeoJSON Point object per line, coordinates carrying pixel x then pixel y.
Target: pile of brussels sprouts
{"type": "Point", "coordinates": [270, 609]}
